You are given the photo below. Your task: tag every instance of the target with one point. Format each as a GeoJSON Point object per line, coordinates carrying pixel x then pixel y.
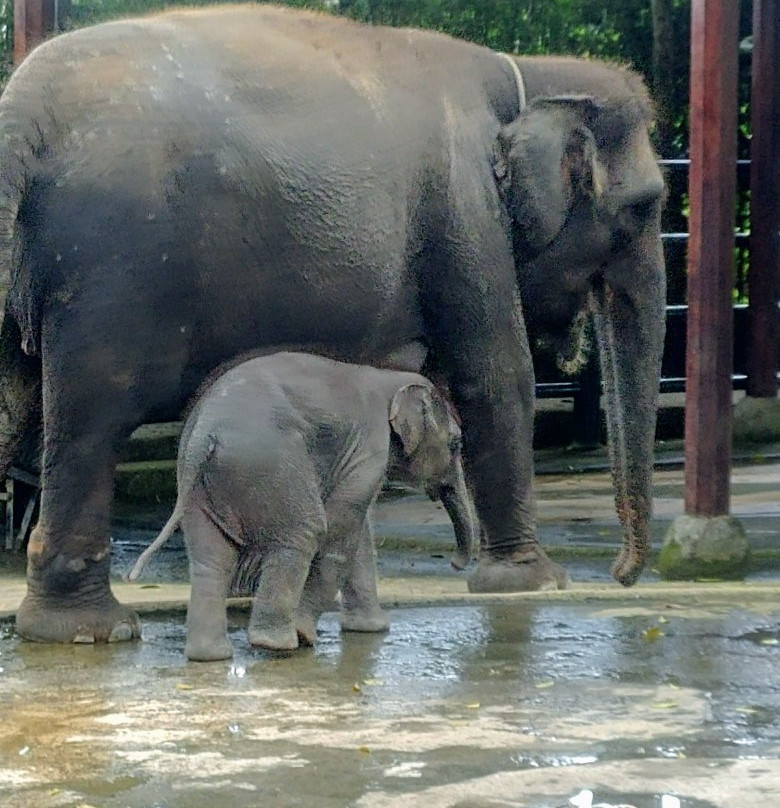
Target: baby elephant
{"type": "Point", "coordinates": [279, 463]}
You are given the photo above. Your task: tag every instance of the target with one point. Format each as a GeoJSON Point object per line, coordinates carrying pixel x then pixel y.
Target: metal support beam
{"type": "Point", "coordinates": [764, 200]}
{"type": "Point", "coordinates": [712, 186]}
{"type": "Point", "coordinates": [34, 20]}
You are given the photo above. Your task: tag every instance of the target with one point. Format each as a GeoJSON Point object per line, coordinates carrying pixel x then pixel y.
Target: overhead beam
{"type": "Point", "coordinates": [712, 187]}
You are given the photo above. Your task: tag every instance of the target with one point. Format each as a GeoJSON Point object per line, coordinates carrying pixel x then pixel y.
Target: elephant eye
{"type": "Point", "coordinates": [455, 444]}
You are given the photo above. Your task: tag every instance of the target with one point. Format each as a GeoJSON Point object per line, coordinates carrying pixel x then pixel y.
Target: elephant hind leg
{"type": "Point", "coordinates": [69, 598]}
{"type": "Point", "coordinates": [360, 608]}
{"type": "Point", "coordinates": [213, 558]}
{"type": "Point", "coordinates": [20, 402]}
{"type": "Point", "coordinates": [286, 567]}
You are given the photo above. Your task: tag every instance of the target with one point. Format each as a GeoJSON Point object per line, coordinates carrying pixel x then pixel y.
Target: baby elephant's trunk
{"type": "Point", "coordinates": [456, 499]}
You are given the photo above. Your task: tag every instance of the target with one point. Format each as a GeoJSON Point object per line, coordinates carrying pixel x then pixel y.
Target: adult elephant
{"type": "Point", "coordinates": [179, 189]}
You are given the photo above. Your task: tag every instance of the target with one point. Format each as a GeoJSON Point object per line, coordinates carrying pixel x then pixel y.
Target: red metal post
{"type": "Point", "coordinates": [712, 187]}
{"type": "Point", "coordinates": [33, 22]}
{"type": "Point", "coordinates": [764, 200]}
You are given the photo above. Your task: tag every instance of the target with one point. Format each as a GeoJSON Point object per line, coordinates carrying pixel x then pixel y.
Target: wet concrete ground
{"type": "Point", "coordinates": [468, 701]}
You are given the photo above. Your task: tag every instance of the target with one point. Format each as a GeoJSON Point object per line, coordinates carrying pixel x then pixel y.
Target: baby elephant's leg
{"type": "Point", "coordinates": [212, 562]}
{"type": "Point", "coordinates": [278, 594]}
{"type": "Point", "coordinates": [360, 609]}
{"type": "Point", "coordinates": [319, 595]}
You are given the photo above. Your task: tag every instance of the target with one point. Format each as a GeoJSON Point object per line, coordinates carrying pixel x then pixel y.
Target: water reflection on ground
{"type": "Point", "coordinates": [467, 707]}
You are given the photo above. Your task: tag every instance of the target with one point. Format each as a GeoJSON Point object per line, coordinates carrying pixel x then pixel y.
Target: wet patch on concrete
{"type": "Point", "coordinates": [473, 706]}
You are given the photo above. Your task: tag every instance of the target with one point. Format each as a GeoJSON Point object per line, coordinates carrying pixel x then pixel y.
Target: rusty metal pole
{"type": "Point", "coordinates": [33, 22]}
{"type": "Point", "coordinates": [712, 188]}
{"type": "Point", "coordinates": [764, 200]}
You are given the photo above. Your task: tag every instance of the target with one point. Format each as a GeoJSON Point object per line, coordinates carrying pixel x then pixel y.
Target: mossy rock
{"type": "Point", "coordinates": [702, 547]}
{"type": "Point", "coordinates": [756, 420]}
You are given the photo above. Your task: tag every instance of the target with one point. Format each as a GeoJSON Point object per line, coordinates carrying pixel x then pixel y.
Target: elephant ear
{"type": "Point", "coordinates": [545, 162]}
{"type": "Point", "coordinates": [411, 415]}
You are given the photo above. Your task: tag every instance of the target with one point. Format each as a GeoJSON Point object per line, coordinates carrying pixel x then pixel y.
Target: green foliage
{"type": "Point", "coordinates": [6, 38]}
{"type": "Point", "coordinates": [609, 29]}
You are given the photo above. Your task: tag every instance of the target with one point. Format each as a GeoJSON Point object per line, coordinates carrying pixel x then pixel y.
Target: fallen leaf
{"type": "Point", "coordinates": [184, 686]}
{"type": "Point", "coordinates": [665, 705]}
{"type": "Point", "coordinates": [364, 750]}
{"type": "Point", "coordinates": [373, 682]}
{"type": "Point", "coordinates": [652, 633]}
{"type": "Point", "coordinates": [149, 586]}
{"type": "Point", "coordinates": [473, 706]}
{"type": "Point", "coordinates": [770, 641]}
{"type": "Point", "coordinates": [544, 685]}
{"type": "Point", "coordinates": [356, 688]}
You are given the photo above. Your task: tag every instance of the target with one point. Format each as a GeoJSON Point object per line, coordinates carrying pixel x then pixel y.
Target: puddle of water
{"type": "Point", "coordinates": [521, 705]}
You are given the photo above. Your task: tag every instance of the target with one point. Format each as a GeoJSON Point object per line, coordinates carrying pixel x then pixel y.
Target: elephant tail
{"type": "Point", "coordinates": [165, 534]}
{"type": "Point", "coordinates": [189, 472]}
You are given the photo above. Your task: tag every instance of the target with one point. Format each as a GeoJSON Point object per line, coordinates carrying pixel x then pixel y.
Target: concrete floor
{"type": "Point", "coordinates": [470, 701]}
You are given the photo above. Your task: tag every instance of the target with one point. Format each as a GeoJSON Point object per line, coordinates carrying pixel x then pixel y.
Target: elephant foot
{"type": "Point", "coordinates": [526, 570]}
{"type": "Point", "coordinates": [107, 620]}
{"type": "Point", "coordinates": [306, 628]}
{"type": "Point", "coordinates": [374, 620]}
{"type": "Point", "coordinates": [274, 638]}
{"type": "Point", "coordinates": [201, 651]}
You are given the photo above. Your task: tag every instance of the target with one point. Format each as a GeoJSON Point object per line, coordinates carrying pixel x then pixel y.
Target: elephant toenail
{"type": "Point", "coordinates": [122, 632]}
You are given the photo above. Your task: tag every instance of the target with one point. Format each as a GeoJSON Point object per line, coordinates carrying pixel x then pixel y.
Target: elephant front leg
{"type": "Point", "coordinates": [213, 560]}
{"type": "Point", "coordinates": [480, 342]}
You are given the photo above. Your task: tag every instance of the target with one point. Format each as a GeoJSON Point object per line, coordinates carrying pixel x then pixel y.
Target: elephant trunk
{"type": "Point", "coordinates": [629, 316]}
{"type": "Point", "coordinates": [456, 499]}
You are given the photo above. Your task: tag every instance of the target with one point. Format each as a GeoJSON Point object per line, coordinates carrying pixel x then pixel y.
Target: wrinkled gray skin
{"type": "Point", "coordinates": [178, 190]}
{"type": "Point", "coordinates": [279, 463]}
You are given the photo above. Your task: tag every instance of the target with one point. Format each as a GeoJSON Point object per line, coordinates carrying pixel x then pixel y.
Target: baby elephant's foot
{"type": "Point", "coordinates": [364, 620]}
{"type": "Point", "coordinates": [199, 650]}
{"type": "Point", "coordinates": [282, 637]}
{"type": "Point", "coordinates": [306, 628]}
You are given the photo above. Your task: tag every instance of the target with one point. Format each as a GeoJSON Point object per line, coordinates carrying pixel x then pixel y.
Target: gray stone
{"type": "Point", "coordinates": [704, 547]}
{"type": "Point", "coordinates": [756, 420]}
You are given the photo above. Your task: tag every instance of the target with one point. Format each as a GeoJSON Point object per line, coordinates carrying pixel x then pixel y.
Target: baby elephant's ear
{"type": "Point", "coordinates": [411, 413]}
